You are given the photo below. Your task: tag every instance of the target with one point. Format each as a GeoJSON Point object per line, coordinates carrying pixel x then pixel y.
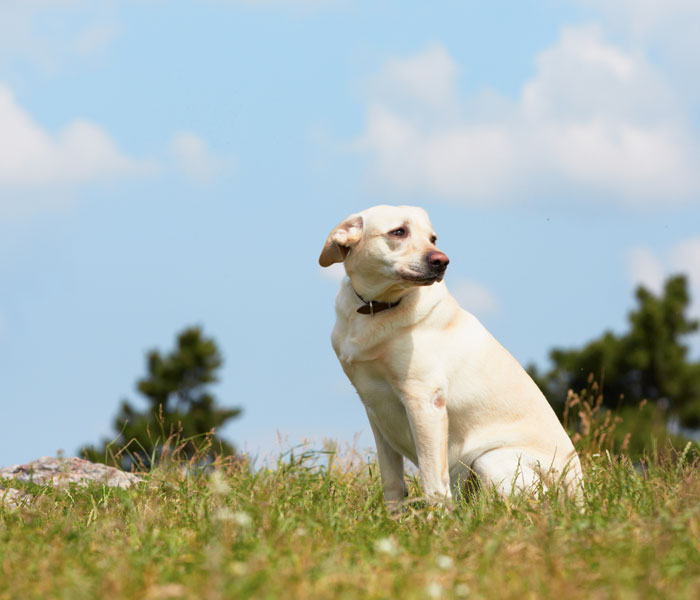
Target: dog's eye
{"type": "Point", "coordinates": [399, 232]}
{"type": "Point", "coordinates": [433, 239]}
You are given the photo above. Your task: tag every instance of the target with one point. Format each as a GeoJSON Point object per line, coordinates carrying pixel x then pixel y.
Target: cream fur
{"type": "Point", "coordinates": [437, 387]}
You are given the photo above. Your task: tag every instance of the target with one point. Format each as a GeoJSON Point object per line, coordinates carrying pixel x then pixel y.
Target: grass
{"type": "Point", "coordinates": [314, 526]}
{"type": "Point", "coordinates": [309, 530]}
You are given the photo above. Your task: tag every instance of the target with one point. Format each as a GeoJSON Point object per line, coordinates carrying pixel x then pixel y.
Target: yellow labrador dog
{"type": "Point", "coordinates": [437, 387]}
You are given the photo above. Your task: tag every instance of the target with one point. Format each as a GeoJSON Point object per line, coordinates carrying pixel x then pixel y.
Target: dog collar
{"type": "Point", "coordinates": [372, 307]}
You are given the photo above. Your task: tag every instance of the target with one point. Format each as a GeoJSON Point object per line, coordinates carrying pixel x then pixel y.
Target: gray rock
{"type": "Point", "coordinates": [60, 471]}
{"type": "Point", "coordinates": [12, 498]}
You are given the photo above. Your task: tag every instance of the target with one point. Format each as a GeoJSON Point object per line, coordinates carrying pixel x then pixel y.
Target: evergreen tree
{"type": "Point", "coordinates": [649, 362]}
{"type": "Point", "coordinates": [179, 404]}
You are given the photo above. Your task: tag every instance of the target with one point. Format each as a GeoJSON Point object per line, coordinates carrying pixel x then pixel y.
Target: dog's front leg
{"type": "Point", "coordinates": [427, 414]}
{"type": "Point", "coordinates": [390, 469]}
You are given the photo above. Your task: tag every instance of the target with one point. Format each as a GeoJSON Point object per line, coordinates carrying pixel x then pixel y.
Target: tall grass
{"type": "Point", "coordinates": [313, 525]}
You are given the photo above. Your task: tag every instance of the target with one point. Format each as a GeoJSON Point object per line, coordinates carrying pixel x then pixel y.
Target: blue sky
{"type": "Point", "coordinates": [169, 163]}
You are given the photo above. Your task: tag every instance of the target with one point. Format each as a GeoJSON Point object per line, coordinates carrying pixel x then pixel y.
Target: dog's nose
{"type": "Point", "coordinates": [438, 259]}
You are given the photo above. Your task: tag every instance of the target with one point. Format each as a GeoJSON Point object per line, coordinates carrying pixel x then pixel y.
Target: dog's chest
{"type": "Point", "coordinates": [371, 382]}
{"type": "Point", "coordinates": [376, 361]}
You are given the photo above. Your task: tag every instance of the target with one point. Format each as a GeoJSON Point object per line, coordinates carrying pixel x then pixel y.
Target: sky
{"type": "Point", "coordinates": [167, 163]}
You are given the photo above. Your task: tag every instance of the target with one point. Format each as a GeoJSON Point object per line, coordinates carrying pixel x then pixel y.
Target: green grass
{"type": "Point", "coordinates": [306, 530]}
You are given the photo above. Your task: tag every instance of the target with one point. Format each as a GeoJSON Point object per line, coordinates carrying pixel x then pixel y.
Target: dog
{"type": "Point", "coordinates": [438, 389]}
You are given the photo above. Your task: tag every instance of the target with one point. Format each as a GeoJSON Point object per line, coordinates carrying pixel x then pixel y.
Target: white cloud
{"type": "Point", "coordinates": [30, 157]}
{"type": "Point", "coordinates": [40, 170]}
{"type": "Point", "coordinates": [36, 161]}
{"type": "Point", "coordinates": [594, 120]}
{"type": "Point", "coordinates": [650, 269]}
{"type": "Point", "coordinates": [685, 257]}
{"type": "Point", "coordinates": [645, 268]}
{"type": "Point", "coordinates": [425, 80]}
{"type": "Point", "coordinates": [95, 38]}
{"type": "Point", "coordinates": [195, 160]}
{"type": "Point", "coordinates": [474, 297]}
{"type": "Point", "coordinates": [668, 28]}
{"type": "Point", "coordinates": [644, 17]}
{"type": "Point", "coordinates": [51, 32]}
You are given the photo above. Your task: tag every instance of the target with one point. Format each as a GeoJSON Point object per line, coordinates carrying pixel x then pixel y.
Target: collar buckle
{"type": "Point", "coordinates": [372, 307]}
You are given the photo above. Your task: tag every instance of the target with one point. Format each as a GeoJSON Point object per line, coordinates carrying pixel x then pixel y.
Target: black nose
{"type": "Point", "coordinates": [438, 260]}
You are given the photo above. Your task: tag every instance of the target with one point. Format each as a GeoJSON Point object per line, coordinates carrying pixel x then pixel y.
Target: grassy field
{"type": "Point", "coordinates": [307, 529]}
{"type": "Point", "coordinates": [314, 526]}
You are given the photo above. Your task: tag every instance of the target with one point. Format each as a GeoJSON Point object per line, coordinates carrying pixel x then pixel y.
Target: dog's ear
{"type": "Point", "coordinates": [341, 239]}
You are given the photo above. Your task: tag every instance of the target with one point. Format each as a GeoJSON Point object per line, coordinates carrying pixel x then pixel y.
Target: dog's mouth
{"type": "Point", "coordinates": [422, 278]}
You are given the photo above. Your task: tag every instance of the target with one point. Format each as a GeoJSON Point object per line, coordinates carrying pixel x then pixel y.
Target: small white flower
{"type": "Point", "coordinates": [444, 562]}
{"type": "Point", "coordinates": [218, 484]}
{"type": "Point", "coordinates": [386, 545]}
{"type": "Point", "coordinates": [224, 514]}
{"type": "Point", "coordinates": [166, 591]}
{"type": "Point", "coordinates": [242, 519]}
{"type": "Point", "coordinates": [238, 568]}
{"type": "Point", "coordinates": [462, 590]}
{"type": "Point", "coordinates": [434, 590]}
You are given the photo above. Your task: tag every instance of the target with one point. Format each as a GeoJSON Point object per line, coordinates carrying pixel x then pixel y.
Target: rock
{"type": "Point", "coordinates": [12, 498]}
{"type": "Point", "coordinates": [62, 471]}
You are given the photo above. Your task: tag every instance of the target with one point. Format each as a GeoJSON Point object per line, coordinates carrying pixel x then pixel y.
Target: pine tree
{"type": "Point", "coordinates": [649, 362]}
{"type": "Point", "coordinates": [179, 404]}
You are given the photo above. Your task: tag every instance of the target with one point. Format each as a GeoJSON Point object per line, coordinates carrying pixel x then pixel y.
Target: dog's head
{"type": "Point", "coordinates": [385, 249]}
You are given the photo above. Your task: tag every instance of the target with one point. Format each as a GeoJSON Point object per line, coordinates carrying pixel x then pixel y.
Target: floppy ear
{"type": "Point", "coordinates": [341, 239]}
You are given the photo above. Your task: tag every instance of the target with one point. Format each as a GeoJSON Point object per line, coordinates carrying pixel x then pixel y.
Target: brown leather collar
{"type": "Point", "coordinates": [372, 307]}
